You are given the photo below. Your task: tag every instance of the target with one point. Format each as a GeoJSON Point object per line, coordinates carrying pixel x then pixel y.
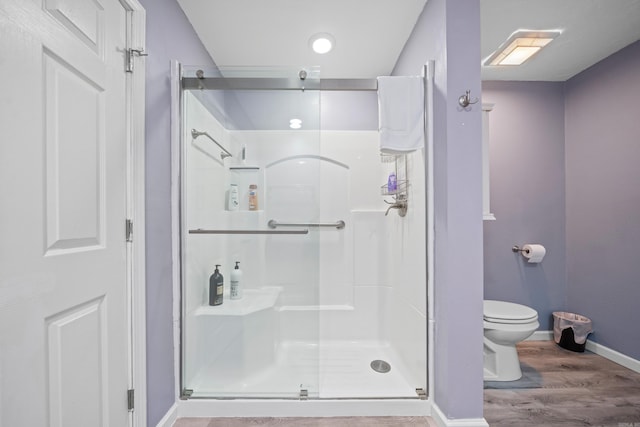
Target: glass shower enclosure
{"type": "Point", "coordinates": [312, 311]}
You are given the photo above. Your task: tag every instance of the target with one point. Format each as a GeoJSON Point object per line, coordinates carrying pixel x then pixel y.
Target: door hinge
{"type": "Point", "coordinates": [422, 395]}
{"type": "Point", "coordinates": [129, 230]}
{"type": "Point", "coordinates": [129, 54]}
{"type": "Point", "coordinates": [130, 399]}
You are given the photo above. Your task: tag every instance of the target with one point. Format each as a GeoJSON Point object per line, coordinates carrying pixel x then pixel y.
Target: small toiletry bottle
{"type": "Point", "coordinates": [216, 287]}
{"type": "Point", "coordinates": [236, 276]}
{"type": "Point", "coordinates": [234, 200]}
{"type": "Point", "coordinates": [253, 197]}
{"type": "Point", "coordinates": [392, 183]}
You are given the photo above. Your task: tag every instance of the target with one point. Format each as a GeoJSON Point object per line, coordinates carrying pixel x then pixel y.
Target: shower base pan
{"type": "Point", "coordinates": [330, 370]}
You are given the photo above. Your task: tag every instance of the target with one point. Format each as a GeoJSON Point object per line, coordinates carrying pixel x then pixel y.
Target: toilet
{"type": "Point", "coordinates": [505, 325]}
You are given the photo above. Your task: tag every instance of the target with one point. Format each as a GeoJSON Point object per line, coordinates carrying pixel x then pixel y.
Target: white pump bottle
{"type": "Point", "coordinates": [236, 277]}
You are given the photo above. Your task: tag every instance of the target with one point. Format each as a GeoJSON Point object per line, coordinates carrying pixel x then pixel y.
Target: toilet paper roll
{"type": "Point", "coordinates": [533, 252]}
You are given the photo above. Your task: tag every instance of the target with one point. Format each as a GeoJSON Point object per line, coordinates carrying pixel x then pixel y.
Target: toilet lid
{"type": "Point", "coordinates": [508, 312]}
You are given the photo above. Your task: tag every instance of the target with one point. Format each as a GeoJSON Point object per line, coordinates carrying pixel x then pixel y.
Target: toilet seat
{"type": "Point", "coordinates": [508, 312]}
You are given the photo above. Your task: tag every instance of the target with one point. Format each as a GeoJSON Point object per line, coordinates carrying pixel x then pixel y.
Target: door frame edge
{"type": "Point", "coordinates": [136, 212]}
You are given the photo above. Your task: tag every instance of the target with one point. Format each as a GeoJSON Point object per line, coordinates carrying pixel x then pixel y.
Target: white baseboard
{"type": "Point", "coordinates": [599, 349]}
{"type": "Point", "coordinates": [614, 356]}
{"type": "Point", "coordinates": [541, 336]}
{"type": "Point", "coordinates": [443, 421]}
{"type": "Point", "coordinates": [170, 417]}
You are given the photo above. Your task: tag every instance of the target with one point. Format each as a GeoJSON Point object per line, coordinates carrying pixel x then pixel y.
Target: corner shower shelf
{"type": "Point", "coordinates": [400, 192]}
{"type": "Point", "coordinates": [253, 300]}
{"type": "Point", "coordinates": [401, 188]}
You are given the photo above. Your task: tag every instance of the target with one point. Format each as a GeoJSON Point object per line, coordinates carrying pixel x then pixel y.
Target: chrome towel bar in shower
{"type": "Point", "coordinates": [338, 224]}
{"type": "Point", "coordinates": [225, 153]}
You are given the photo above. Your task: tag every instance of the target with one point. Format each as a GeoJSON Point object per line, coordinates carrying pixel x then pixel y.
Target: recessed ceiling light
{"type": "Point", "coordinates": [322, 42]}
{"type": "Point", "coordinates": [295, 123]}
{"type": "Point", "coordinates": [521, 46]}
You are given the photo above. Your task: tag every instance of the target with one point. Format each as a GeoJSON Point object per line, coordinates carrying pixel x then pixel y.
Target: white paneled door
{"type": "Point", "coordinates": [64, 334]}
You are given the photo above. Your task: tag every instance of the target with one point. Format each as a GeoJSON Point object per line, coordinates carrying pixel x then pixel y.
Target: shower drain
{"type": "Point", "coordinates": [380, 366]}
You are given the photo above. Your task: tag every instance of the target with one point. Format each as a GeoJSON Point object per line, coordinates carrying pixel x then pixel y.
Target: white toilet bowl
{"type": "Point", "coordinates": [505, 325]}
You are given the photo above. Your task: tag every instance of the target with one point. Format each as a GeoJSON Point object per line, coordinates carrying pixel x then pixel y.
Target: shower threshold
{"type": "Point", "coordinates": [330, 370]}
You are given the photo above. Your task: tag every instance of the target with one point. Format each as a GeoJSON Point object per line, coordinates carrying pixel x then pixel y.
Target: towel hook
{"type": "Point", "coordinates": [465, 100]}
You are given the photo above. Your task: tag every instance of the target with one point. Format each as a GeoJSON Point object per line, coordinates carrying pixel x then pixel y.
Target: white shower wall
{"type": "Point", "coordinates": [366, 282]}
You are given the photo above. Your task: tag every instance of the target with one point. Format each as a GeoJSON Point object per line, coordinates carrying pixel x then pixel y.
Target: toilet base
{"type": "Point", "coordinates": [501, 362]}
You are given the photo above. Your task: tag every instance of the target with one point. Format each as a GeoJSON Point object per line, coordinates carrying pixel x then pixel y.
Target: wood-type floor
{"type": "Point", "coordinates": [561, 388]}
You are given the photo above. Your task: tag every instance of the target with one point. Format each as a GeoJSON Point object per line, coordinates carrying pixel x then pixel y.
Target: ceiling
{"type": "Point", "coordinates": [591, 31]}
{"type": "Point", "coordinates": [370, 34]}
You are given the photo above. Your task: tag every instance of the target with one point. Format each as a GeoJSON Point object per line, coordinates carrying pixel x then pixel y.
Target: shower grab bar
{"type": "Point", "coordinates": [338, 224]}
{"type": "Point", "coordinates": [201, 231]}
{"type": "Point", "coordinates": [225, 153]}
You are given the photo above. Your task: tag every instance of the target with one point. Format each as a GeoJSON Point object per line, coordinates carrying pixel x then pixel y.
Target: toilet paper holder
{"type": "Point", "coordinates": [534, 253]}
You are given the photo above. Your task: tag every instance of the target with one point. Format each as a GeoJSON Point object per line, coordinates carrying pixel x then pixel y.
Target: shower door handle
{"type": "Point", "coordinates": [201, 231]}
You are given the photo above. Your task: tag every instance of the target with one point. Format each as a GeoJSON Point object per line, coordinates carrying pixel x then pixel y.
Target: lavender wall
{"type": "Point", "coordinates": [603, 198]}
{"type": "Point", "coordinates": [180, 43]}
{"type": "Point", "coordinates": [582, 135]}
{"type": "Point", "coordinates": [445, 32]}
{"type": "Point", "coordinates": [527, 195]}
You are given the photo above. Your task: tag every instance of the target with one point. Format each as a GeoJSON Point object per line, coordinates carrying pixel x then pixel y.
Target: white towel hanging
{"type": "Point", "coordinates": [400, 113]}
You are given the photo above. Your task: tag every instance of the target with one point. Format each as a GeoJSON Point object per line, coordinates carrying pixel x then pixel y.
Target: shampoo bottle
{"type": "Point", "coordinates": [392, 183]}
{"type": "Point", "coordinates": [236, 277]}
{"type": "Point", "coordinates": [253, 197]}
{"type": "Point", "coordinates": [216, 287]}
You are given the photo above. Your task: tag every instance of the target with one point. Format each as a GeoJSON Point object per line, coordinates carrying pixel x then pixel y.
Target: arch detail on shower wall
{"type": "Point", "coordinates": [308, 156]}
{"type": "Point", "coordinates": [315, 189]}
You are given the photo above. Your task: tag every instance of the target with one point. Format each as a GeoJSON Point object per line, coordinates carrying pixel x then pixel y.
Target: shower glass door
{"type": "Point", "coordinates": [250, 197]}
